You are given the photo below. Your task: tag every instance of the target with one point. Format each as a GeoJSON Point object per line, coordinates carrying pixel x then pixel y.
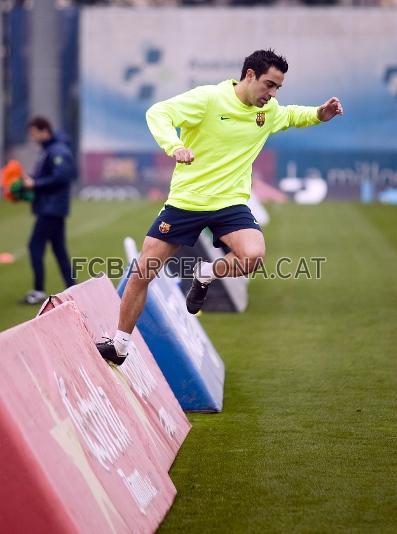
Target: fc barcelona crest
{"type": "Point", "coordinates": [260, 118]}
{"type": "Point", "coordinates": [164, 227]}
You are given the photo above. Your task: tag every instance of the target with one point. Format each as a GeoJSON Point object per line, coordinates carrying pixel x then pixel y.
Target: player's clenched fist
{"type": "Point", "coordinates": [184, 155]}
{"type": "Point", "coordinates": [330, 109]}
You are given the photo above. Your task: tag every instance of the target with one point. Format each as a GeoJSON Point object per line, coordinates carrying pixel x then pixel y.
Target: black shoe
{"type": "Point", "coordinates": [196, 296]}
{"type": "Point", "coordinates": [108, 352]}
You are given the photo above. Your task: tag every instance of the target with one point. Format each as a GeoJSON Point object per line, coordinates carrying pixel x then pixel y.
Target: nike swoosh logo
{"type": "Point", "coordinates": [224, 118]}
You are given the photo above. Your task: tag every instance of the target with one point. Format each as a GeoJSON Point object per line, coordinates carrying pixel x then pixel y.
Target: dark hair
{"type": "Point", "coordinates": [41, 123]}
{"type": "Point", "coordinates": [261, 61]}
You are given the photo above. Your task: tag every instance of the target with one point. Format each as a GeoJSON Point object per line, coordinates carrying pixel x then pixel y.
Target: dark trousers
{"type": "Point", "coordinates": [52, 229]}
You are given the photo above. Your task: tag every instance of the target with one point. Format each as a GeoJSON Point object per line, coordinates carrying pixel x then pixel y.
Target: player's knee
{"type": "Point", "coordinates": [255, 262]}
{"type": "Point", "coordinates": [252, 257]}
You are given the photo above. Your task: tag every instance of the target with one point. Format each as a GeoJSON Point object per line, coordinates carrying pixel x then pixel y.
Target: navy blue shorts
{"type": "Point", "coordinates": [183, 227]}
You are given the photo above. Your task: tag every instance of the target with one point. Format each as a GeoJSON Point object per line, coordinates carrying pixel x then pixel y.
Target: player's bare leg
{"type": "Point", "coordinates": [153, 255]}
{"type": "Point", "coordinates": [247, 252]}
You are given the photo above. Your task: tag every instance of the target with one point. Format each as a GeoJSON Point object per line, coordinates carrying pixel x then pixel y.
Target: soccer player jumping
{"type": "Point", "coordinates": [222, 130]}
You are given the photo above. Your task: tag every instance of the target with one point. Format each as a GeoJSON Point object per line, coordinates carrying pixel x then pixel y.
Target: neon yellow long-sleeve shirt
{"type": "Point", "coordinates": [225, 137]}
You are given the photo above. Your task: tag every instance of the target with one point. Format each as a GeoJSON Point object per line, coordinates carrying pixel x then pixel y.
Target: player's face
{"type": "Point", "coordinates": [264, 88]}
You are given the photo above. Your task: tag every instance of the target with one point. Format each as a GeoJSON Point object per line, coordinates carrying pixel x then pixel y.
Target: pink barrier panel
{"type": "Point", "coordinates": [73, 454]}
{"type": "Point", "coordinates": [162, 417]}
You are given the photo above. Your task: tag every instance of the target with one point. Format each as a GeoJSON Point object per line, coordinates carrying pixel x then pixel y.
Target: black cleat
{"type": "Point", "coordinates": [108, 352]}
{"type": "Point", "coordinates": [196, 296]}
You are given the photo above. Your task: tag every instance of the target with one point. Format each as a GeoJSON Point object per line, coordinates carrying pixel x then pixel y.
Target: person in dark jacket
{"type": "Point", "coordinates": [51, 183]}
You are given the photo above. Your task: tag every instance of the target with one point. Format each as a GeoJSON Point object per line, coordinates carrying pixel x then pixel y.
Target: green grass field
{"type": "Point", "coordinates": [307, 441]}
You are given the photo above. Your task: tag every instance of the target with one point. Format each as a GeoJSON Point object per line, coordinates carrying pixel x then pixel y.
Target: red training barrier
{"type": "Point", "coordinates": [74, 455]}
{"type": "Point", "coordinates": [151, 397]}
